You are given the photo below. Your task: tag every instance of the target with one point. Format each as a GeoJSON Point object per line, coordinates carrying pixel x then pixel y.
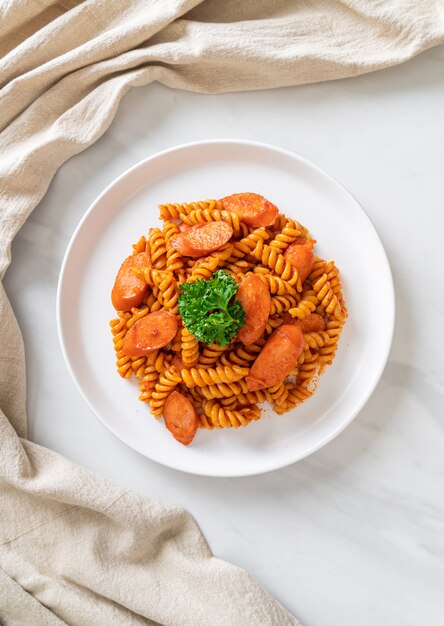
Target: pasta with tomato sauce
{"type": "Point", "coordinates": [224, 308]}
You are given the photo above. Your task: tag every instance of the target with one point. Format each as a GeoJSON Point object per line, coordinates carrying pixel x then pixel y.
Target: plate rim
{"type": "Point", "coordinates": [389, 297]}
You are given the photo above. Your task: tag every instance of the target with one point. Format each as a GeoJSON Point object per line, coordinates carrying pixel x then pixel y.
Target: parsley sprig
{"type": "Point", "coordinates": [208, 311]}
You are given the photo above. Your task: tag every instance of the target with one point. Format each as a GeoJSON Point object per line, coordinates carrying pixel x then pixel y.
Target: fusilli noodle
{"type": "Point", "coordinates": [213, 376]}
{"type": "Point", "coordinates": [216, 416]}
{"type": "Point", "coordinates": [156, 247]}
{"type": "Point", "coordinates": [199, 216]}
{"type": "Point", "coordinates": [166, 384]}
{"type": "Point", "coordinates": [190, 349]}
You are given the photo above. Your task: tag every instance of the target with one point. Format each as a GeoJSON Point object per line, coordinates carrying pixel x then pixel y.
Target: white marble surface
{"type": "Point", "coordinates": [355, 533]}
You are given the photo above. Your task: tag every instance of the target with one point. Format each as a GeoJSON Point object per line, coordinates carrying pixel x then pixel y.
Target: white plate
{"type": "Point", "coordinates": [128, 207]}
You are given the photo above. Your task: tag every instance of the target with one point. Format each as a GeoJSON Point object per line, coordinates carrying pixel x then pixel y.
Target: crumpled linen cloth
{"type": "Point", "coordinates": [74, 548]}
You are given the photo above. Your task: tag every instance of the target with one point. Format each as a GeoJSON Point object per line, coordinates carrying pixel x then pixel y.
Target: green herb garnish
{"type": "Point", "coordinates": [206, 309]}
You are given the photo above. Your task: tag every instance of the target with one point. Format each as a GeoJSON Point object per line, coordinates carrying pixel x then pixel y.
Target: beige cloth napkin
{"type": "Point", "coordinates": [73, 548]}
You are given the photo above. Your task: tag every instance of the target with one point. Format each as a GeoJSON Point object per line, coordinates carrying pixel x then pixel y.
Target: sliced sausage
{"type": "Point", "coordinates": [129, 290]}
{"type": "Point", "coordinates": [300, 255]}
{"type": "Point", "coordinates": [254, 296]}
{"type": "Point", "coordinates": [202, 239]}
{"type": "Point", "coordinates": [314, 323]}
{"type": "Point", "coordinates": [253, 209]}
{"type": "Point", "coordinates": [150, 333]}
{"type": "Point", "coordinates": [178, 242]}
{"type": "Point", "coordinates": [277, 358]}
{"type": "Point", "coordinates": [180, 418]}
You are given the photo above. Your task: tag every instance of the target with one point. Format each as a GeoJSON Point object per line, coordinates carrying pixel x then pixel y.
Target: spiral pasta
{"type": "Point", "coordinates": [280, 304]}
{"type": "Point", "coordinates": [224, 390]}
{"type": "Point", "coordinates": [138, 366]}
{"type": "Point", "coordinates": [119, 329]}
{"type": "Point", "coordinates": [190, 349]}
{"type": "Point", "coordinates": [201, 216]}
{"type": "Point", "coordinates": [247, 244]}
{"type": "Point", "coordinates": [174, 261]}
{"type": "Point", "coordinates": [276, 285]}
{"type": "Point", "coordinates": [238, 268]}
{"type": "Point", "coordinates": [140, 245]}
{"type": "Point", "coordinates": [166, 384]}
{"type": "Point", "coordinates": [211, 378]}
{"type": "Point", "coordinates": [153, 303]}
{"type": "Point", "coordinates": [309, 368]}
{"type": "Point", "coordinates": [193, 393]}
{"type": "Point", "coordinates": [305, 306]}
{"type": "Point", "coordinates": [216, 416]}
{"type": "Point", "coordinates": [242, 355]}
{"type": "Point", "coordinates": [327, 298]}
{"type": "Point", "coordinates": [156, 247]}
{"type": "Point", "coordinates": [126, 365]}
{"type": "Point", "coordinates": [173, 211]}
{"type": "Point", "coordinates": [275, 261]}
{"type": "Point", "coordinates": [282, 221]}
{"type": "Point", "coordinates": [319, 267]}
{"type": "Point", "coordinates": [205, 268]}
{"type": "Point", "coordinates": [252, 397]}
{"type": "Point", "coordinates": [211, 354]}
{"type": "Point", "coordinates": [272, 324]}
{"type": "Point", "coordinates": [288, 234]}
{"type": "Point", "coordinates": [136, 315]}
{"type": "Point", "coordinates": [296, 395]}
{"type": "Point", "coordinates": [159, 360]}
{"type": "Point", "coordinates": [278, 394]}
{"type": "Point", "coordinates": [165, 287]}
{"type": "Point", "coordinates": [123, 364]}
{"type": "Point", "coordinates": [315, 340]}
{"type": "Point", "coordinates": [148, 382]}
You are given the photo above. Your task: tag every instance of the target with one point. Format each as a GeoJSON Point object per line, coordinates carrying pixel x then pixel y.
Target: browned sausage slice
{"type": "Point", "coordinates": [129, 290]}
{"type": "Point", "coordinates": [178, 242]}
{"type": "Point", "coordinates": [253, 209]}
{"type": "Point", "coordinates": [254, 296]}
{"type": "Point", "coordinates": [300, 255]}
{"type": "Point", "coordinates": [314, 323]}
{"type": "Point", "coordinates": [180, 418]}
{"type": "Point", "coordinates": [277, 358]}
{"type": "Point", "coordinates": [150, 333]}
{"type": "Point", "coordinates": [202, 239]}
